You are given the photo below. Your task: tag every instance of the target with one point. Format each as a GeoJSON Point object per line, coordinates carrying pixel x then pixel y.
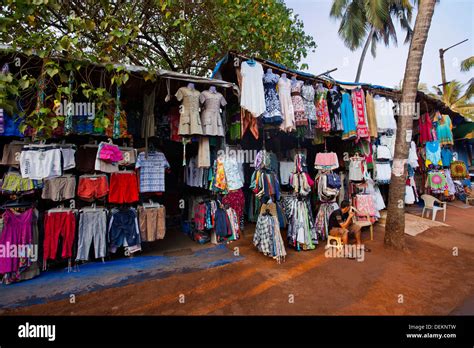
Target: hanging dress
{"type": "Point", "coordinates": [444, 130]}
{"type": "Point", "coordinates": [211, 118]}
{"type": "Point", "coordinates": [252, 97]}
{"type": "Point", "coordinates": [322, 112]}
{"type": "Point", "coordinates": [334, 100]}
{"type": "Point", "coordinates": [308, 93]}
{"type": "Point", "coordinates": [371, 119]}
{"type": "Point", "coordinates": [272, 114]}
{"type": "Point", "coordinates": [298, 105]}
{"type": "Point", "coordinates": [189, 120]}
{"type": "Point", "coordinates": [347, 115]}
{"type": "Point", "coordinates": [425, 127]}
{"type": "Point", "coordinates": [433, 154]}
{"type": "Point", "coordinates": [284, 93]}
{"type": "Point", "coordinates": [358, 101]}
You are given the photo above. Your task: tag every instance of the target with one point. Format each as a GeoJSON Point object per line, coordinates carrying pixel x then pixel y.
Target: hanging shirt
{"type": "Point", "coordinates": [152, 171]}
{"type": "Point", "coordinates": [233, 174]}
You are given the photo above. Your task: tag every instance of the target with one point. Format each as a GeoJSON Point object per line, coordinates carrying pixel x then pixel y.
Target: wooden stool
{"type": "Point", "coordinates": [338, 244]}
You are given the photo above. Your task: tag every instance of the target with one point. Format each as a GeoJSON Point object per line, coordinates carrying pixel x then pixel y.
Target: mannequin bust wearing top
{"type": "Point", "coordinates": [269, 71]}
{"type": "Point", "coordinates": [293, 80]}
{"type": "Point", "coordinates": [191, 85]}
{"type": "Point", "coordinates": [212, 89]}
{"type": "Point", "coordinates": [283, 76]}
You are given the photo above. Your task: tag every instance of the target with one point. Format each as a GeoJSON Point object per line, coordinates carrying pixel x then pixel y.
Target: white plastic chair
{"type": "Point", "coordinates": [430, 205]}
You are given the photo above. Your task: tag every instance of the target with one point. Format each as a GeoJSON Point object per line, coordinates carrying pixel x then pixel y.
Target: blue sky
{"type": "Point", "coordinates": [453, 21]}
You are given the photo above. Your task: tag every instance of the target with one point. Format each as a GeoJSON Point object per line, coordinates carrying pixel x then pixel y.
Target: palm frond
{"type": "Point", "coordinates": [353, 27]}
{"type": "Point", "coordinates": [337, 8]}
{"type": "Point", "coordinates": [376, 12]}
{"type": "Point", "coordinates": [467, 64]}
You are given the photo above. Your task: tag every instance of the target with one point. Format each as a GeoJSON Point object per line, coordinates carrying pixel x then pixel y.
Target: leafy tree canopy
{"type": "Point", "coordinates": [182, 35]}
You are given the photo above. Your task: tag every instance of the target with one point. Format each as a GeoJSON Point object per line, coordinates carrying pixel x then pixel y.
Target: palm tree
{"type": "Point", "coordinates": [370, 22]}
{"type": "Point", "coordinates": [395, 226]}
{"type": "Point", "coordinates": [455, 99]}
{"type": "Point", "coordinates": [466, 65]}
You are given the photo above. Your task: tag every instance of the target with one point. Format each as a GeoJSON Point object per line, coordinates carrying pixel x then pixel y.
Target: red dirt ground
{"type": "Point", "coordinates": [429, 279]}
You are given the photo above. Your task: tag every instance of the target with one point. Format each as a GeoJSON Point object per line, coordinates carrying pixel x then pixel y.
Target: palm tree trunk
{"type": "Point", "coordinates": [364, 52]}
{"type": "Point", "coordinates": [395, 226]}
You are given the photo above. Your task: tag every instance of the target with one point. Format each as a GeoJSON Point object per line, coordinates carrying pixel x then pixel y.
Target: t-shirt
{"type": "Point", "coordinates": [152, 171]}
{"type": "Point", "coordinates": [337, 218]}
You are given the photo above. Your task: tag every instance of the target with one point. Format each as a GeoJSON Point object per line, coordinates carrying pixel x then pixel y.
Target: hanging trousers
{"type": "Point", "coordinates": [58, 224]}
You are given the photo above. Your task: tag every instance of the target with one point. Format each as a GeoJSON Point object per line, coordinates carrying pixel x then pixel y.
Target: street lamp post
{"type": "Point", "coordinates": [441, 59]}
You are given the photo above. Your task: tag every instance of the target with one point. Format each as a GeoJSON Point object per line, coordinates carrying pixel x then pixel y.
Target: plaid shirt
{"type": "Point", "coordinates": [152, 171]}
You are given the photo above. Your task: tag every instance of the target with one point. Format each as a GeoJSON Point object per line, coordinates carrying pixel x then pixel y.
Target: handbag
{"type": "Point", "coordinates": [333, 181]}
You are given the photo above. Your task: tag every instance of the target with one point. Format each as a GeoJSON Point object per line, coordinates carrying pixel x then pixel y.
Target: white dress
{"type": "Point", "coordinates": [252, 98]}
{"type": "Point", "coordinates": [384, 114]}
{"type": "Point", "coordinates": [284, 93]}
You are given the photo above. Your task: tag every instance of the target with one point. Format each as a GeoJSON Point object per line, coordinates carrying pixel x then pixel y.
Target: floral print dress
{"type": "Point", "coordinates": [298, 104]}
{"type": "Point", "coordinates": [322, 112]}
{"type": "Point", "coordinates": [308, 93]}
{"type": "Point", "coordinates": [272, 114]}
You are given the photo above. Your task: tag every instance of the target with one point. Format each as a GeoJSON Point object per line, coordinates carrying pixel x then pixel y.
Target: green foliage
{"type": "Point", "coordinates": [186, 36]}
{"type": "Point", "coordinates": [358, 17]}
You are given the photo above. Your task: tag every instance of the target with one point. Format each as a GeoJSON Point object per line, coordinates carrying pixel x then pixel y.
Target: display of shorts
{"type": "Point", "coordinates": [105, 167]}
{"type": "Point", "coordinates": [14, 183]}
{"type": "Point", "coordinates": [123, 230]}
{"type": "Point", "coordinates": [92, 187]}
{"type": "Point", "coordinates": [85, 159]}
{"type": "Point", "coordinates": [40, 163]}
{"type": "Point", "coordinates": [60, 188]}
{"type": "Point", "coordinates": [123, 187]}
{"type": "Point", "coordinates": [69, 161]}
{"type": "Point", "coordinates": [152, 222]}
{"type": "Point", "coordinates": [11, 154]}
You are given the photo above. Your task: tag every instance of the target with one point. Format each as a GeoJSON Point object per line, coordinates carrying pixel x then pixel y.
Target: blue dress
{"type": "Point", "coordinates": [444, 132]}
{"type": "Point", "coordinates": [347, 115]}
{"type": "Point", "coordinates": [272, 114]}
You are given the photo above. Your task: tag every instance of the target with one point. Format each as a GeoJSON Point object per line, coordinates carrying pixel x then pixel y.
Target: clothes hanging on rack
{"type": "Point", "coordinates": [322, 218]}
{"type": "Point", "coordinates": [92, 187]}
{"type": "Point", "coordinates": [123, 230]}
{"type": "Point", "coordinates": [433, 154]}
{"type": "Point", "coordinates": [326, 161]}
{"type": "Point", "coordinates": [371, 117]}
{"type": "Point", "coordinates": [358, 101]}
{"type": "Point", "coordinates": [425, 128]}
{"type": "Point", "coordinates": [152, 222]}
{"type": "Point", "coordinates": [357, 169]}
{"type": "Point", "coordinates": [384, 114]}
{"type": "Point", "coordinates": [298, 104]}
{"type": "Point", "coordinates": [19, 231]}
{"type": "Point", "coordinates": [272, 114]}
{"type": "Point", "coordinates": [459, 170]}
{"type": "Point", "coordinates": [347, 116]}
{"type": "Point", "coordinates": [252, 97]}
{"type": "Point", "coordinates": [301, 233]}
{"type": "Point", "coordinates": [211, 118]}
{"type": "Point", "coordinates": [190, 119]}
{"type": "Point", "coordinates": [152, 171]}
{"type": "Point", "coordinates": [444, 129]}
{"type": "Point", "coordinates": [284, 93]}
{"type": "Point", "coordinates": [58, 224]}
{"type": "Point", "coordinates": [92, 228]}
{"type": "Point", "coordinates": [267, 237]}
{"type": "Point", "coordinates": [123, 188]}
{"type": "Point", "coordinates": [60, 188]}
{"type": "Point", "coordinates": [322, 113]}
{"type": "Point", "coordinates": [334, 100]}
{"type": "Point", "coordinates": [308, 94]}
